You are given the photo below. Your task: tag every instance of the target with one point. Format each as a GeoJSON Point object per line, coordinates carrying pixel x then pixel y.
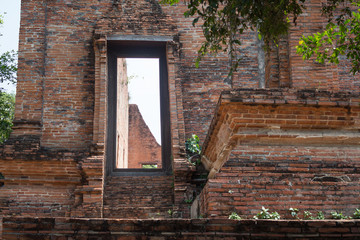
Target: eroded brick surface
{"type": "Point", "coordinates": [139, 197]}
{"type": "Point", "coordinates": [282, 149]}
{"type": "Point", "coordinates": [143, 147]}
{"type": "Point", "coordinates": [55, 164]}
{"type": "Point", "coordinates": [64, 228]}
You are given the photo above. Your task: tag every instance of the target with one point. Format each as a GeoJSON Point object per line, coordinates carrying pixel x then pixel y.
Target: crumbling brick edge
{"type": "Point", "coordinates": [27, 227]}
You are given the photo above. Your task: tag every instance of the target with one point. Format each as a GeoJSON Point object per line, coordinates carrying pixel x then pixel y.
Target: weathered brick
{"type": "Point", "coordinates": [54, 162]}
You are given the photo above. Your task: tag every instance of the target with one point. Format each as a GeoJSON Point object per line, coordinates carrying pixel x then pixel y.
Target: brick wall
{"type": "Point", "coordinates": [61, 102]}
{"type": "Point", "coordinates": [33, 188]}
{"type": "Point", "coordinates": [280, 177]}
{"type": "Point", "coordinates": [312, 75]}
{"type": "Point", "coordinates": [282, 149]}
{"type": "Point", "coordinates": [284, 68]}
{"type": "Point", "coordinates": [199, 89]}
{"type": "Point", "coordinates": [143, 147]}
{"type": "Point", "coordinates": [277, 67]}
{"type": "Point", "coordinates": [138, 197]}
{"type": "Point", "coordinates": [63, 228]}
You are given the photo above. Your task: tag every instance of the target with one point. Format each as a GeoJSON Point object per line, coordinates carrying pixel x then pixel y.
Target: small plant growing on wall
{"type": "Point", "coordinates": [265, 214]}
{"type": "Point", "coordinates": [356, 214]}
{"type": "Point", "coordinates": [193, 149]}
{"type": "Point", "coordinates": [188, 201]}
{"type": "Point", "coordinates": [170, 212]}
{"type": "Point", "coordinates": [234, 216]}
{"type": "Point", "coordinates": [294, 212]}
{"type": "Point", "coordinates": [308, 215]}
{"type": "Point", "coordinates": [336, 215]}
{"type": "Point", "coordinates": [320, 215]}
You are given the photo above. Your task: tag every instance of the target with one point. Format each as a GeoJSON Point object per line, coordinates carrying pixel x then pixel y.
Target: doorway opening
{"type": "Point", "coordinates": [138, 127]}
{"type": "Point", "coordinates": [138, 138]}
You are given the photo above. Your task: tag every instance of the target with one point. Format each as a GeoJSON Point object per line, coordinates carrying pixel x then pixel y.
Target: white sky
{"type": "Point", "coordinates": [144, 90]}
{"type": "Point", "coordinates": [9, 30]}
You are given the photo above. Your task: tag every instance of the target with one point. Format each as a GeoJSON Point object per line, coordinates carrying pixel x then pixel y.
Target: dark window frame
{"type": "Point", "coordinates": [138, 49]}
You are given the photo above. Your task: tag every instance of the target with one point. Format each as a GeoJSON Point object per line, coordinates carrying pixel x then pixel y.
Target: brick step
{"type": "Point", "coordinates": [137, 178]}
{"type": "Point", "coordinates": [134, 192]}
{"type": "Point", "coordinates": [137, 212]}
{"type": "Point", "coordinates": [144, 196]}
{"type": "Point", "coordinates": [136, 208]}
{"type": "Point", "coordinates": [141, 205]}
{"type": "Point", "coordinates": [115, 206]}
{"type": "Point", "coordinates": [137, 202]}
{"type": "Point", "coordinates": [129, 196]}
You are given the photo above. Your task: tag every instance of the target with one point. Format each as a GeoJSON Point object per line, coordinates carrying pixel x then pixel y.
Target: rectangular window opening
{"type": "Point", "coordinates": [138, 137]}
{"type": "Point", "coordinates": [138, 126]}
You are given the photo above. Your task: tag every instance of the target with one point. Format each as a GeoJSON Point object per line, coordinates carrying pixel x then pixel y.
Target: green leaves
{"type": "Point", "coordinates": [234, 216]}
{"type": "Point", "coordinates": [336, 215]}
{"type": "Point", "coordinates": [193, 150]}
{"type": "Point", "coordinates": [192, 145]}
{"type": "Point", "coordinates": [7, 107]}
{"type": "Point", "coordinates": [8, 63]}
{"type": "Point", "coordinates": [265, 214]}
{"type": "Point", "coordinates": [149, 166]}
{"type": "Point", "coordinates": [171, 2]}
{"type": "Point", "coordinates": [294, 212]}
{"type": "Point", "coordinates": [308, 215]}
{"type": "Point", "coordinates": [356, 214]}
{"type": "Point", "coordinates": [223, 21]}
{"type": "Point", "coordinates": [8, 67]}
{"type": "Point", "coordinates": [340, 37]}
{"type": "Point", "coordinates": [195, 21]}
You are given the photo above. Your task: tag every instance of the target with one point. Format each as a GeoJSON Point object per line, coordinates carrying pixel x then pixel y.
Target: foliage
{"type": "Point", "coordinates": [8, 67]}
{"type": "Point", "coordinates": [234, 216]}
{"type": "Point", "coordinates": [8, 64]}
{"type": "Point", "coordinates": [189, 200]}
{"type": "Point", "coordinates": [336, 215]}
{"type": "Point", "coordinates": [7, 107]}
{"type": "Point", "coordinates": [320, 215]}
{"type": "Point", "coordinates": [265, 214]}
{"type": "Point", "coordinates": [340, 37]}
{"type": "Point", "coordinates": [356, 214]}
{"type": "Point", "coordinates": [294, 212]}
{"type": "Point", "coordinates": [193, 148]}
{"type": "Point", "coordinates": [308, 215]}
{"type": "Point", "coordinates": [170, 212]}
{"type": "Point", "coordinates": [223, 21]}
{"type": "Point", "coordinates": [149, 166]}
{"type": "Point", "coordinates": [192, 145]}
